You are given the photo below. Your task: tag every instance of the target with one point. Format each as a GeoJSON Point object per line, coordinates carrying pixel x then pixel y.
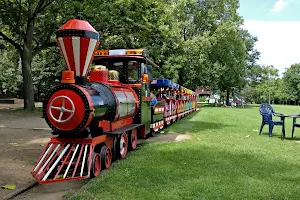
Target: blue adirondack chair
{"type": "Point", "coordinates": [267, 112]}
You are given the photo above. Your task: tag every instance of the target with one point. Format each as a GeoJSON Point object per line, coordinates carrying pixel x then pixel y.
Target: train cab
{"type": "Point", "coordinates": [132, 68]}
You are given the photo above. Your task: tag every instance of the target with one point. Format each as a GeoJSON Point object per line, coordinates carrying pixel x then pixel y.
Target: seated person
{"type": "Point", "coordinates": [98, 67]}
{"type": "Point", "coordinates": [153, 101]}
{"type": "Point", "coordinates": [158, 97]}
{"type": "Point", "coordinates": [113, 75]}
{"type": "Point", "coordinates": [165, 96]}
{"type": "Point", "coordinates": [132, 71]}
{"type": "Point", "coordinates": [133, 75]}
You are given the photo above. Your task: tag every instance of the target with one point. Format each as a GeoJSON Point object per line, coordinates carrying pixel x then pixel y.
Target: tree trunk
{"type": "Point", "coordinates": [26, 56]}
{"type": "Point", "coordinates": [27, 80]}
{"type": "Point", "coordinates": [227, 97]}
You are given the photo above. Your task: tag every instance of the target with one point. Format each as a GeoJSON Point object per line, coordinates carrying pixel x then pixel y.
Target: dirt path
{"type": "Point", "coordinates": [169, 137]}
{"type": "Point", "coordinates": [22, 139]}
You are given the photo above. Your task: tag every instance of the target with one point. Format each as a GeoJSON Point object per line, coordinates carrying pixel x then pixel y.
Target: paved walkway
{"type": "Point", "coordinates": [21, 120]}
{"type": "Point", "coordinates": [19, 103]}
{"type": "Point", "coordinates": [13, 119]}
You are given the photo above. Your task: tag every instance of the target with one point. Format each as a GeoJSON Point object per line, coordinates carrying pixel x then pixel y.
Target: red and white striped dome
{"type": "Point", "coordinates": [77, 41]}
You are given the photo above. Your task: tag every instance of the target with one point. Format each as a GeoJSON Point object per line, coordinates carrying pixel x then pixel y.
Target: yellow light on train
{"type": "Point", "coordinates": [145, 78]}
{"type": "Point", "coordinates": [120, 52]}
{"type": "Point", "coordinates": [134, 52]}
{"type": "Point", "coordinates": [101, 52]}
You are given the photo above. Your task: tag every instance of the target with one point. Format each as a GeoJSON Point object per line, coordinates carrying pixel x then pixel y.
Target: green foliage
{"type": "Point", "coordinates": [10, 76]}
{"type": "Point", "coordinates": [29, 26]}
{"type": "Point", "coordinates": [291, 81]}
{"type": "Point", "coordinates": [264, 84]}
{"type": "Point", "coordinates": [45, 69]}
{"type": "Point", "coordinates": [46, 16]}
{"type": "Point", "coordinates": [196, 43]}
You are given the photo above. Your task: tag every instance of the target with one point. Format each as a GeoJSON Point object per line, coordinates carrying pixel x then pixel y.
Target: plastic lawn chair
{"type": "Point", "coordinates": [295, 123]}
{"type": "Point", "coordinates": [267, 112]}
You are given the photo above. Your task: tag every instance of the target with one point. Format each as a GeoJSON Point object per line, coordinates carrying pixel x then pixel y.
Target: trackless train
{"type": "Point", "coordinates": [97, 113]}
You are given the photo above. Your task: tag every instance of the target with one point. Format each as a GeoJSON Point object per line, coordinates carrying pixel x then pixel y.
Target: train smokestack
{"type": "Point", "coordinates": [77, 41]}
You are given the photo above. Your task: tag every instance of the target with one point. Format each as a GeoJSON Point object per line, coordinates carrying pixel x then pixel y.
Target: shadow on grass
{"type": "Point", "coordinates": [189, 124]}
{"type": "Point", "coordinates": [197, 172]}
{"type": "Point", "coordinates": [274, 134]}
{"type": "Point", "coordinates": [194, 126]}
{"type": "Point", "coordinates": [279, 136]}
{"type": "Point", "coordinates": [290, 138]}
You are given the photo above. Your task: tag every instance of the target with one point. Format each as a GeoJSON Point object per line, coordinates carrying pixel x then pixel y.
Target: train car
{"type": "Point", "coordinates": [102, 106]}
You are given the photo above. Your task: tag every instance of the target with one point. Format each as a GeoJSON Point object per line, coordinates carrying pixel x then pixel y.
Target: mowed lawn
{"type": "Point", "coordinates": [225, 159]}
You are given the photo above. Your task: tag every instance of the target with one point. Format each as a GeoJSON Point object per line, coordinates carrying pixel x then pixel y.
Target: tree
{"type": "Point", "coordinates": [291, 79]}
{"type": "Point", "coordinates": [215, 50]}
{"type": "Point", "coordinates": [267, 86]}
{"type": "Point", "coordinates": [29, 26]}
{"type": "Point", "coordinates": [280, 94]}
{"type": "Point", "coordinates": [195, 42]}
{"type": "Point", "coordinates": [229, 51]}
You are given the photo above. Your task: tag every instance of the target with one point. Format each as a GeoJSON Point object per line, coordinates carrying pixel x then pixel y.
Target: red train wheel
{"type": "Point", "coordinates": [133, 140]}
{"type": "Point", "coordinates": [96, 165]}
{"type": "Point", "coordinates": [106, 157]}
{"type": "Point", "coordinates": [123, 142]}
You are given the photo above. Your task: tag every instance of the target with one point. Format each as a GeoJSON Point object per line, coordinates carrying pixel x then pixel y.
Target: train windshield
{"type": "Point", "coordinates": [127, 68]}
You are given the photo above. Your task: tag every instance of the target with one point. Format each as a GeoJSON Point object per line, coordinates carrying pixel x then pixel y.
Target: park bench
{"type": "Point", "coordinates": [6, 99]}
{"type": "Point", "coordinates": [267, 113]}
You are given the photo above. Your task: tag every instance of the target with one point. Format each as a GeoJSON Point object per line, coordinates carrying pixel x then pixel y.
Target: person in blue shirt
{"type": "Point", "coordinates": [153, 101]}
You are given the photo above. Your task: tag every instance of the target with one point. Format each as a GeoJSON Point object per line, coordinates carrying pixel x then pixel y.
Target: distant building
{"type": "Point", "coordinates": [213, 96]}
{"type": "Point", "coordinates": [202, 91]}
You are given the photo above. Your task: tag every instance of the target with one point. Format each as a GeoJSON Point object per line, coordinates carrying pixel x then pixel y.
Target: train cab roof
{"type": "Point", "coordinates": [124, 53]}
{"type": "Point", "coordinates": [161, 82]}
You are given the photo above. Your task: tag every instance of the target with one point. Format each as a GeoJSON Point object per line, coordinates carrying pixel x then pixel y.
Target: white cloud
{"type": "Point", "coordinates": [279, 5]}
{"type": "Point", "coordinates": [278, 42]}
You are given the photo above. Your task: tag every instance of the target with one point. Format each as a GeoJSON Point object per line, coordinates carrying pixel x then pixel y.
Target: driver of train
{"type": "Point", "coordinates": [132, 70]}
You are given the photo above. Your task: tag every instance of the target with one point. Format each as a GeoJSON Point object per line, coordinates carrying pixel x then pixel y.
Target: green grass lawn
{"type": "Point", "coordinates": [225, 159]}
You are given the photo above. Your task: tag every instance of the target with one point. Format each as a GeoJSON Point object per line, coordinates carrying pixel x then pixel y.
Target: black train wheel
{"type": "Point", "coordinates": [120, 146]}
{"type": "Point", "coordinates": [123, 145]}
{"type": "Point", "coordinates": [106, 157]}
{"type": "Point", "coordinates": [96, 165]}
{"type": "Point", "coordinates": [132, 142]}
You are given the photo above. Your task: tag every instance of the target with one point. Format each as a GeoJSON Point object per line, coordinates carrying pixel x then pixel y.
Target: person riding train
{"type": "Point", "coordinates": [153, 100]}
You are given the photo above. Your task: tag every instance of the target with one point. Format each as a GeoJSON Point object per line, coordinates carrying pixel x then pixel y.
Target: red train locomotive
{"type": "Point", "coordinates": [98, 114]}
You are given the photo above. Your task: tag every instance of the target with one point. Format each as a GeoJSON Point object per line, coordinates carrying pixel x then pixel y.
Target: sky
{"type": "Point", "coordinates": [276, 23]}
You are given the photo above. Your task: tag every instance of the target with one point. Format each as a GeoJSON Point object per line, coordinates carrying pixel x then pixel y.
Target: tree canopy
{"type": "Point", "coordinates": [196, 42]}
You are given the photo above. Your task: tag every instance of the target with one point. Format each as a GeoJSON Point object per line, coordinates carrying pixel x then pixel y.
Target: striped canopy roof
{"type": "Point", "coordinates": [161, 82]}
